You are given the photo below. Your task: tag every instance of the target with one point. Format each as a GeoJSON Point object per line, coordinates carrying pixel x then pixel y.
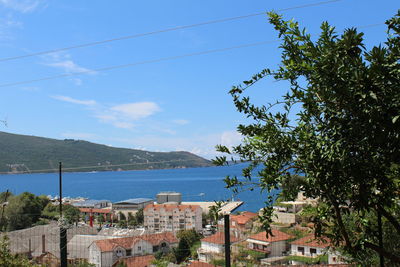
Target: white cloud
{"type": "Point", "coordinates": [7, 23]}
{"type": "Point", "coordinates": [231, 138]}
{"type": "Point", "coordinates": [202, 145]}
{"type": "Point", "coordinates": [24, 6]}
{"type": "Point", "coordinates": [137, 110]}
{"type": "Point", "coordinates": [180, 121]}
{"type": "Point", "coordinates": [75, 101]}
{"type": "Point", "coordinates": [70, 66]}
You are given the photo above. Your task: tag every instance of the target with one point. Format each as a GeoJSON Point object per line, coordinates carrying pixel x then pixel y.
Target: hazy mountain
{"type": "Point", "coordinates": [30, 153]}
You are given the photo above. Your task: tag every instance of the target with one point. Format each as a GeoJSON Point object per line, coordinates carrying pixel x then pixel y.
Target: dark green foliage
{"type": "Point", "coordinates": [182, 251]}
{"type": "Point", "coordinates": [22, 211]}
{"type": "Point", "coordinates": [71, 214]}
{"type": "Point", "coordinates": [37, 153]}
{"type": "Point", "coordinates": [139, 217]}
{"type": "Point", "coordinates": [191, 236]}
{"type": "Point", "coordinates": [338, 126]}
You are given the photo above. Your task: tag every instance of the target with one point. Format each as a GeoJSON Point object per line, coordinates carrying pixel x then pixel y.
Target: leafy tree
{"type": "Point", "coordinates": [132, 219]}
{"type": "Point", "coordinates": [182, 251]}
{"type": "Point", "coordinates": [71, 214]}
{"type": "Point", "coordinates": [337, 125]}
{"type": "Point", "coordinates": [191, 236]}
{"type": "Point", "coordinates": [139, 217]}
{"type": "Point", "coordinates": [100, 219]}
{"type": "Point", "coordinates": [122, 216]}
{"type": "Point", "coordinates": [22, 211]}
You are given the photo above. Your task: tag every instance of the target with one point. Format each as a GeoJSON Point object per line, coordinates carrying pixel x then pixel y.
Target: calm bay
{"type": "Point", "coordinates": [195, 184]}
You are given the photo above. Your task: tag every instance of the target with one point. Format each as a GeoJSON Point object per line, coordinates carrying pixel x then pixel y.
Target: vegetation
{"type": "Point", "coordinates": [338, 126]}
{"type": "Point", "coordinates": [10, 260]}
{"type": "Point", "coordinates": [26, 210]}
{"type": "Point", "coordinates": [25, 153]}
{"type": "Point", "coordinates": [322, 259]}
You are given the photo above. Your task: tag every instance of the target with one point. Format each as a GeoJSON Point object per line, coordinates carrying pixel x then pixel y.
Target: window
{"type": "Point", "coordinates": [313, 251]}
{"type": "Point", "coordinates": [301, 250]}
{"type": "Point", "coordinates": [129, 252]}
{"type": "Point", "coordinates": [119, 253]}
{"type": "Point", "coordinates": [139, 248]}
{"type": "Point", "coordinates": [155, 248]}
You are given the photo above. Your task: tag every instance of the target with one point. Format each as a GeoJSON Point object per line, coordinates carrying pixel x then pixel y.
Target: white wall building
{"type": "Point", "coordinates": [273, 246]}
{"type": "Point", "coordinates": [214, 244]}
{"type": "Point", "coordinates": [104, 253]}
{"type": "Point", "coordinates": [172, 217]}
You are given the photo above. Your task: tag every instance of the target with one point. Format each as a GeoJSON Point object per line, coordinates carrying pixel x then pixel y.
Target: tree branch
{"type": "Point", "coordinates": [382, 251]}
{"type": "Point", "coordinates": [390, 218]}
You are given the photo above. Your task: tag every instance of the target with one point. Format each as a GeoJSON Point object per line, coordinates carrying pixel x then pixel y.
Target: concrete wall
{"type": "Point", "coordinates": [212, 248]}
{"type": "Point", "coordinates": [294, 251]}
{"type": "Point", "coordinates": [285, 217]}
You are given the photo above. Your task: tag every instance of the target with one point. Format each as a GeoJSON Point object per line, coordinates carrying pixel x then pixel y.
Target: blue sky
{"type": "Point", "coordinates": [180, 104]}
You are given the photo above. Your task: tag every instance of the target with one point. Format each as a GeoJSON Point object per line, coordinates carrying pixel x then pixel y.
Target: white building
{"type": "Point", "coordinates": [172, 217]}
{"type": "Point", "coordinates": [214, 244]}
{"type": "Point", "coordinates": [273, 246]}
{"type": "Point", "coordinates": [104, 253]}
{"type": "Point", "coordinates": [130, 206]}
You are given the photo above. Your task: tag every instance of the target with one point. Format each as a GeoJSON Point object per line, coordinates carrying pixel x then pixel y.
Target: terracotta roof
{"type": "Point", "coordinates": [170, 207]}
{"type": "Point", "coordinates": [128, 242]}
{"type": "Point", "coordinates": [140, 261]}
{"type": "Point", "coordinates": [95, 210]}
{"type": "Point", "coordinates": [310, 241]}
{"type": "Point", "coordinates": [244, 217]}
{"type": "Point", "coordinates": [200, 264]}
{"type": "Point", "coordinates": [276, 236]}
{"type": "Point", "coordinates": [219, 238]}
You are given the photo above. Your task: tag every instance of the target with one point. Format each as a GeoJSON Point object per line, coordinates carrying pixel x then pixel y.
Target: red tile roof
{"type": "Point", "coordinates": [170, 207]}
{"type": "Point", "coordinates": [140, 261]}
{"type": "Point", "coordinates": [200, 264]}
{"type": "Point", "coordinates": [244, 217]}
{"type": "Point", "coordinates": [275, 237]}
{"type": "Point", "coordinates": [128, 242]}
{"type": "Point", "coordinates": [219, 238]}
{"type": "Point", "coordinates": [310, 241]}
{"type": "Point", "coordinates": [89, 210]}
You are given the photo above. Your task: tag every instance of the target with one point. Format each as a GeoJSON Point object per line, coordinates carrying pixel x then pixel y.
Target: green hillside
{"type": "Point", "coordinates": [29, 153]}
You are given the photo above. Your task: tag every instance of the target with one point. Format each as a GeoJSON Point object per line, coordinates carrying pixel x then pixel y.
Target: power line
{"type": "Point", "coordinates": [136, 63]}
{"type": "Point", "coordinates": [153, 60]}
{"type": "Point", "coordinates": [159, 31]}
{"type": "Point", "coordinates": [98, 166]}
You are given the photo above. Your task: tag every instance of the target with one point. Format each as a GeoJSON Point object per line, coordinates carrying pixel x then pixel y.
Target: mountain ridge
{"type": "Point", "coordinates": [25, 153]}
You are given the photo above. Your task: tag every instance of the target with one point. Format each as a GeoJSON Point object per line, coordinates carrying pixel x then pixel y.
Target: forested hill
{"type": "Point", "coordinates": [29, 153]}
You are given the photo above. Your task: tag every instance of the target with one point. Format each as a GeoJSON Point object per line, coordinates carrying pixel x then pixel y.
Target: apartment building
{"type": "Point", "coordinates": [172, 217]}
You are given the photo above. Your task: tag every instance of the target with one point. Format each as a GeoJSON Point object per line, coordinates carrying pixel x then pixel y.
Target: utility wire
{"type": "Point", "coordinates": [159, 31]}
{"type": "Point", "coordinates": [154, 60]}
{"type": "Point", "coordinates": [136, 63]}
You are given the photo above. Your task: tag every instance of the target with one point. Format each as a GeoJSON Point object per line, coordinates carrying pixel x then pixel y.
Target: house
{"type": "Point", "coordinates": [78, 246]}
{"type": "Point", "coordinates": [130, 206]}
{"type": "Point", "coordinates": [104, 253]}
{"type": "Point", "coordinates": [274, 245]}
{"type": "Point", "coordinates": [214, 244]}
{"type": "Point", "coordinates": [308, 247]}
{"type": "Point", "coordinates": [93, 204]}
{"type": "Point", "coordinates": [172, 217]}
{"type": "Point", "coordinates": [140, 261]}
{"type": "Point", "coordinates": [240, 224]}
